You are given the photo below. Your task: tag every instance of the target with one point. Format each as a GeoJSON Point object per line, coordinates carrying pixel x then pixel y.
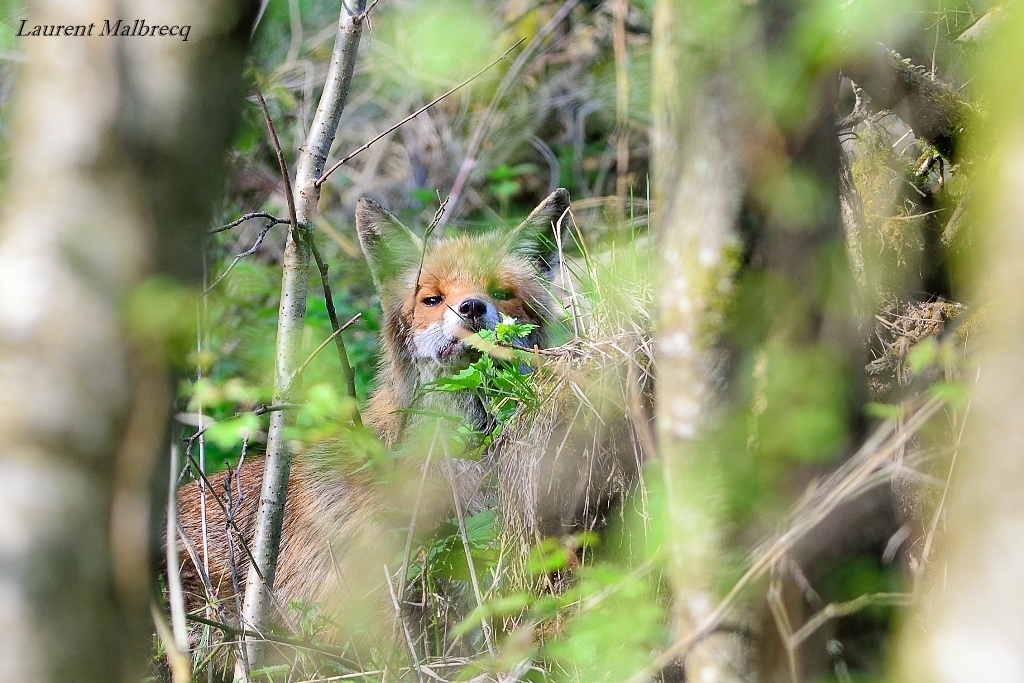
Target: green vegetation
{"type": "Point", "coordinates": [595, 604]}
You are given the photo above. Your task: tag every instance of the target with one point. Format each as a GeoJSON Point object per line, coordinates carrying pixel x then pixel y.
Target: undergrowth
{"type": "Point", "coordinates": [592, 603]}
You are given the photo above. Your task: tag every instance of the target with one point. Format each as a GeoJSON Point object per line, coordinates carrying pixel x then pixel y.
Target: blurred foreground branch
{"type": "Point", "coordinates": [969, 627]}
{"type": "Point", "coordinates": [116, 153]}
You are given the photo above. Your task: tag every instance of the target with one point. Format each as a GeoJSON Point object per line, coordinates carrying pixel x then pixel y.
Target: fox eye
{"type": "Point", "coordinates": [432, 300]}
{"type": "Point", "coordinates": [501, 294]}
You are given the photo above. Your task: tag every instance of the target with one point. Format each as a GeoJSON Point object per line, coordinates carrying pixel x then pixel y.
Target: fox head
{"type": "Point", "coordinates": [436, 295]}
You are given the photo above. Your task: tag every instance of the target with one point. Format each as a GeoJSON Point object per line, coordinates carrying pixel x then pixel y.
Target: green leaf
{"type": "Point", "coordinates": [884, 411]}
{"type": "Point", "coordinates": [480, 529]}
{"type": "Point", "coordinates": [547, 556]}
{"type": "Point", "coordinates": [230, 433]}
{"type": "Point", "coordinates": [268, 672]}
{"type": "Point", "coordinates": [953, 393]}
{"type": "Point", "coordinates": [924, 354]}
{"type": "Point", "coordinates": [468, 378]}
{"type": "Point", "coordinates": [508, 330]}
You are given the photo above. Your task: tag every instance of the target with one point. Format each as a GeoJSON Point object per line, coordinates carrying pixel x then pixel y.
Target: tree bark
{"type": "Point", "coordinates": [698, 189]}
{"type": "Point", "coordinates": [116, 153]}
{"type": "Point", "coordinates": [290, 322]}
{"type": "Point", "coordinates": [747, 193]}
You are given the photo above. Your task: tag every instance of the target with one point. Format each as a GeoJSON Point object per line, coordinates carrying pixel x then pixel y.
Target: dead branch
{"type": "Point", "coordinates": [248, 217]}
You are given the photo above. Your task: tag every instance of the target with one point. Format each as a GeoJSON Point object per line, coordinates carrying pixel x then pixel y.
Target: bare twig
{"type": "Point", "coordinates": [248, 252]}
{"type": "Point", "coordinates": [248, 217]}
{"type": "Point", "coordinates": [783, 625]}
{"type": "Point", "coordinates": [334, 335]}
{"type": "Point", "coordinates": [232, 507]}
{"type": "Point", "coordinates": [321, 266]}
{"type": "Point", "coordinates": [205, 423]}
{"type": "Point", "coordinates": [280, 162]}
{"type": "Point", "coordinates": [620, 8]}
{"type": "Point", "coordinates": [407, 552]}
{"type": "Point", "coordinates": [332, 313]}
{"type": "Point", "coordinates": [229, 520]}
{"type": "Point", "coordinates": [405, 627]}
{"type": "Point", "coordinates": [299, 643]}
{"type": "Point", "coordinates": [485, 625]}
{"type": "Point", "coordinates": [366, 13]}
{"type": "Point", "coordinates": [273, 407]}
{"type": "Point", "coordinates": [413, 115]}
{"type": "Point", "coordinates": [174, 592]}
{"type": "Point", "coordinates": [835, 610]}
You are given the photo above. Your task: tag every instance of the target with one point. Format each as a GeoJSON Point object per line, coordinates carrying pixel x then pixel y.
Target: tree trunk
{"type": "Point", "coordinates": [698, 190]}
{"type": "Point", "coordinates": [747, 191]}
{"type": "Point", "coordinates": [116, 153]}
{"type": "Point", "coordinates": [290, 322]}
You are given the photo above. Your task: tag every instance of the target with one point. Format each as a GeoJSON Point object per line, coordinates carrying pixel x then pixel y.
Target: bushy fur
{"type": "Point", "coordinates": [335, 539]}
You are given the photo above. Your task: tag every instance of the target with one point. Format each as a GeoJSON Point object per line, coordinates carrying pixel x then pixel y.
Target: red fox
{"type": "Point", "coordinates": [334, 543]}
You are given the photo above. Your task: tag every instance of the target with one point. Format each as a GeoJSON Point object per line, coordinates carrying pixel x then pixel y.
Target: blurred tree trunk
{"type": "Point", "coordinates": [746, 184]}
{"type": "Point", "coordinates": [970, 625]}
{"type": "Point", "coordinates": [115, 156]}
{"type": "Point", "coordinates": [698, 189]}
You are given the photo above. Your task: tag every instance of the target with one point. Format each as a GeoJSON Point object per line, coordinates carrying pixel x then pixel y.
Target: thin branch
{"type": "Point", "coordinates": [426, 240]}
{"type": "Point", "coordinates": [346, 367]}
{"type": "Point", "coordinates": [835, 610]}
{"type": "Point", "coordinates": [506, 83]}
{"type": "Point", "coordinates": [302, 201]}
{"type": "Point", "coordinates": [229, 520]}
{"type": "Point", "coordinates": [485, 625]}
{"type": "Point", "coordinates": [333, 336]}
{"type": "Point", "coordinates": [332, 313]}
{"type": "Point", "coordinates": [260, 410]}
{"type": "Point", "coordinates": [280, 162]}
{"type": "Point", "coordinates": [410, 117]}
{"type": "Point", "coordinates": [366, 13]}
{"type": "Point", "coordinates": [248, 217]}
{"type": "Point", "coordinates": [175, 595]}
{"type": "Point", "coordinates": [273, 407]}
{"type": "Point", "coordinates": [310, 645]}
{"type": "Point", "coordinates": [248, 252]}
{"type": "Point", "coordinates": [233, 504]}
{"type": "Point", "coordinates": [405, 628]}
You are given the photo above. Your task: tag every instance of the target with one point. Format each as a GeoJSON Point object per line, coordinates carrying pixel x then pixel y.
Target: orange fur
{"type": "Point", "coordinates": [334, 541]}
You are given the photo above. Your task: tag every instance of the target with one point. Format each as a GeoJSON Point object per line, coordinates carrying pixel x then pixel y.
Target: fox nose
{"type": "Point", "coordinates": [472, 309]}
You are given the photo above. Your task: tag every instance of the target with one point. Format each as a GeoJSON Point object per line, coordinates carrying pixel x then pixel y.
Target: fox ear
{"type": "Point", "coordinates": [389, 246]}
{"type": "Point", "coordinates": [539, 236]}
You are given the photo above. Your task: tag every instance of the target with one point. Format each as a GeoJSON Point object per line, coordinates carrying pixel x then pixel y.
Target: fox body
{"type": "Point", "coordinates": [334, 542]}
